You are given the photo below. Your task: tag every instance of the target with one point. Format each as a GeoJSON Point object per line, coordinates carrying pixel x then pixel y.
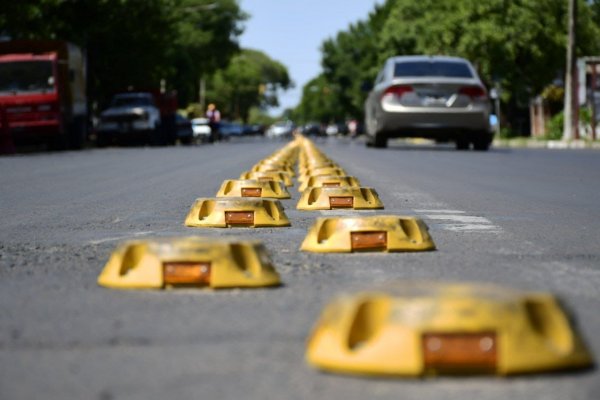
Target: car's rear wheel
{"type": "Point", "coordinates": [482, 142]}
{"type": "Point", "coordinates": [379, 141]}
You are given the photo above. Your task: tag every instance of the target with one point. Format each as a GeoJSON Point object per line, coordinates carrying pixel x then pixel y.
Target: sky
{"type": "Point", "coordinates": [292, 31]}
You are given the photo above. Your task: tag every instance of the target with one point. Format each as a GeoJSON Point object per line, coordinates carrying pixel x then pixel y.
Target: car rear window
{"type": "Point", "coordinates": [451, 69]}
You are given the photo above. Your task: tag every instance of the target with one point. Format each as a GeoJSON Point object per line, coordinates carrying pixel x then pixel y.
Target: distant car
{"type": "Point", "coordinates": [132, 115]}
{"type": "Point", "coordinates": [253, 130]}
{"type": "Point", "coordinates": [439, 98]}
{"type": "Point", "coordinates": [185, 133]}
{"type": "Point", "coordinates": [229, 129]}
{"type": "Point", "coordinates": [312, 129]}
{"type": "Point", "coordinates": [201, 129]}
{"type": "Point", "coordinates": [332, 129]}
{"type": "Point", "coordinates": [281, 129]}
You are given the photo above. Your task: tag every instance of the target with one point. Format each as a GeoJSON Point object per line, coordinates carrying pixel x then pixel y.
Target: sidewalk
{"type": "Point", "coordinates": [525, 142]}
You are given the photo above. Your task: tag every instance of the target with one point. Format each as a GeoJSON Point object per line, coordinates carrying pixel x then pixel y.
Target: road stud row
{"type": "Point", "coordinates": [253, 200]}
{"type": "Point", "coordinates": [201, 262]}
{"type": "Point", "coordinates": [189, 262]}
{"type": "Point", "coordinates": [326, 186]}
{"type": "Point", "coordinates": [424, 328]}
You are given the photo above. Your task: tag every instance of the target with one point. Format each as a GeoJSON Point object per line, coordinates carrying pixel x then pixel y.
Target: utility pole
{"type": "Point", "coordinates": [570, 127]}
{"type": "Point", "coordinates": [202, 93]}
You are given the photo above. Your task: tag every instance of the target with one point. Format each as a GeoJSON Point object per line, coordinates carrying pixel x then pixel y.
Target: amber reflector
{"type": "Point", "coordinates": [331, 184]}
{"type": "Point", "coordinates": [368, 240]}
{"type": "Point", "coordinates": [456, 352]}
{"type": "Point", "coordinates": [239, 217]}
{"type": "Point", "coordinates": [251, 192]}
{"type": "Point", "coordinates": [186, 273]}
{"type": "Point", "coordinates": [341, 202]}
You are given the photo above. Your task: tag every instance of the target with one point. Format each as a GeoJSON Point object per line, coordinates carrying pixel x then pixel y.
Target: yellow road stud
{"type": "Point", "coordinates": [189, 262]}
{"type": "Point", "coordinates": [329, 181]}
{"type": "Point", "coordinates": [329, 198]}
{"type": "Point", "coordinates": [253, 188]}
{"type": "Point", "coordinates": [368, 233]}
{"type": "Point", "coordinates": [321, 172]}
{"type": "Point", "coordinates": [272, 167]}
{"type": "Point", "coordinates": [268, 176]}
{"type": "Point", "coordinates": [317, 164]}
{"type": "Point", "coordinates": [236, 212]}
{"type": "Point", "coordinates": [420, 328]}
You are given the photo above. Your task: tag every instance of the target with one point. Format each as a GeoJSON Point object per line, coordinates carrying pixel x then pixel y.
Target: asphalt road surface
{"type": "Point", "coordinates": [523, 218]}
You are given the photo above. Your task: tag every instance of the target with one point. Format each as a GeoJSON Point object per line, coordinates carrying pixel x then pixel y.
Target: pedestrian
{"type": "Point", "coordinates": [214, 121]}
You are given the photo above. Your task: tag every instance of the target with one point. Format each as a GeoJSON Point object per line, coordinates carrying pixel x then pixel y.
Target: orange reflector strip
{"type": "Point", "coordinates": [265, 178]}
{"type": "Point", "coordinates": [341, 202]}
{"type": "Point", "coordinates": [331, 184]}
{"type": "Point", "coordinates": [368, 240]}
{"type": "Point", "coordinates": [186, 273]}
{"type": "Point", "coordinates": [251, 192]}
{"type": "Point", "coordinates": [460, 351]}
{"type": "Point", "coordinates": [239, 217]}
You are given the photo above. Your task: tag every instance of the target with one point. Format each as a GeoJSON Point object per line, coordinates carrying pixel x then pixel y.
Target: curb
{"type": "Point", "coordinates": [547, 144]}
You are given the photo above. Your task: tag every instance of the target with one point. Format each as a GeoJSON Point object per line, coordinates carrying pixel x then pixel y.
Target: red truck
{"type": "Point", "coordinates": [43, 92]}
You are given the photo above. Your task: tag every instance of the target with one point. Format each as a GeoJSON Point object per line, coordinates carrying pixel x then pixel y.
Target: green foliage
{"type": "Point", "coordinates": [134, 42]}
{"type": "Point", "coordinates": [521, 44]}
{"type": "Point", "coordinates": [320, 102]}
{"type": "Point", "coordinates": [251, 79]}
{"type": "Point", "coordinates": [555, 127]}
{"type": "Point", "coordinates": [258, 116]}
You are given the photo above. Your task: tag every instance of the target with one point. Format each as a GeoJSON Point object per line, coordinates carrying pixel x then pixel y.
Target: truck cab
{"type": "Point", "coordinates": [42, 92]}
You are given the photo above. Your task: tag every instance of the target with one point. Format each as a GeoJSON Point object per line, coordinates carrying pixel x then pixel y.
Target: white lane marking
{"type": "Point", "coordinates": [459, 221]}
{"type": "Point", "coordinates": [440, 211]}
{"type": "Point", "coordinates": [471, 228]}
{"type": "Point", "coordinates": [345, 213]}
{"type": "Point", "coordinates": [464, 219]}
{"type": "Point", "coordinates": [111, 239]}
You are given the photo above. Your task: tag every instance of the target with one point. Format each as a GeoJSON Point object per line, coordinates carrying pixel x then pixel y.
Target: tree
{"type": "Point", "coordinates": [251, 79]}
{"type": "Point", "coordinates": [520, 44]}
{"type": "Point", "coordinates": [319, 102]}
{"type": "Point", "coordinates": [350, 59]}
{"type": "Point", "coordinates": [134, 42]}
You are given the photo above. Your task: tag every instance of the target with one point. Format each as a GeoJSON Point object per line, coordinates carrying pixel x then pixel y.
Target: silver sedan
{"type": "Point", "coordinates": [432, 97]}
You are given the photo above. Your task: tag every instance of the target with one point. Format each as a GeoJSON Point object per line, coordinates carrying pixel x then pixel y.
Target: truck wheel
{"type": "Point", "coordinates": [157, 137]}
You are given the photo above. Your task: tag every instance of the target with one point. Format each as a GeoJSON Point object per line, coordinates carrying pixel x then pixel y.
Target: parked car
{"type": "Point", "coordinates": [201, 129]}
{"type": "Point", "coordinates": [433, 97]}
{"type": "Point", "coordinates": [185, 133]}
{"type": "Point", "coordinates": [281, 129]}
{"type": "Point", "coordinates": [254, 130]}
{"type": "Point", "coordinates": [312, 129]}
{"type": "Point", "coordinates": [229, 129]}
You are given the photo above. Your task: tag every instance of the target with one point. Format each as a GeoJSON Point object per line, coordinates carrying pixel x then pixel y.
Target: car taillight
{"type": "Point", "coordinates": [397, 90]}
{"type": "Point", "coordinates": [473, 91]}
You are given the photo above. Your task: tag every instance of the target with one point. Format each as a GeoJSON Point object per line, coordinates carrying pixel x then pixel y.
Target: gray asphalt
{"type": "Point", "coordinates": [522, 218]}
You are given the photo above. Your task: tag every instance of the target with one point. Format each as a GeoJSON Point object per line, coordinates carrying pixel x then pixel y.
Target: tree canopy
{"type": "Point", "coordinates": [518, 44]}
{"type": "Point", "coordinates": [251, 79]}
{"type": "Point", "coordinates": [135, 42]}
